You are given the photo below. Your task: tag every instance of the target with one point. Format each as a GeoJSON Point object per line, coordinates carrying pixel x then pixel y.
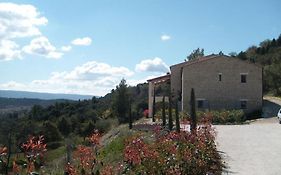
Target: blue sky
{"type": "Point", "coordinates": [106, 40]}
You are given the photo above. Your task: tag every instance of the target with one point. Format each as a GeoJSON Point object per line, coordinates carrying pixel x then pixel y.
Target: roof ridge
{"type": "Point", "coordinates": [197, 60]}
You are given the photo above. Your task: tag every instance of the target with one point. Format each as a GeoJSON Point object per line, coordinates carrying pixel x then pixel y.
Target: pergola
{"type": "Point", "coordinates": [152, 98]}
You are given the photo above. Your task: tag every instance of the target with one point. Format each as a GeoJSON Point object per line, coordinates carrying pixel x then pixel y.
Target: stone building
{"type": "Point", "coordinates": [219, 81]}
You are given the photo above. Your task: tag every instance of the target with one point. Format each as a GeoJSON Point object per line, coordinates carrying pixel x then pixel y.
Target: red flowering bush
{"type": "Point", "coordinates": [3, 156]}
{"type": "Point", "coordinates": [166, 152]}
{"type": "Point", "coordinates": [85, 157]}
{"type": "Point", "coordinates": [174, 153]}
{"type": "Point", "coordinates": [107, 170]}
{"type": "Point", "coordinates": [70, 170]}
{"type": "Point", "coordinates": [34, 150]}
{"type": "Point", "coordinates": [94, 138]}
{"type": "Point", "coordinates": [145, 113]}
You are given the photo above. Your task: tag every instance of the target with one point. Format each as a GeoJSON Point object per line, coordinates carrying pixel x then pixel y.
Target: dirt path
{"type": "Point", "coordinates": [253, 149]}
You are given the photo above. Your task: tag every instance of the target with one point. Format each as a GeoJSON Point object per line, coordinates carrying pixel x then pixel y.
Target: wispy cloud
{"type": "Point", "coordinates": [92, 77]}
{"type": "Point", "coordinates": [165, 37]}
{"type": "Point", "coordinates": [42, 47]}
{"type": "Point", "coordinates": [23, 21]}
{"type": "Point", "coordinates": [9, 50]}
{"type": "Point", "coordinates": [152, 65]}
{"type": "Point", "coordinates": [20, 20]}
{"type": "Point", "coordinates": [86, 41]}
{"type": "Point", "coordinates": [66, 48]}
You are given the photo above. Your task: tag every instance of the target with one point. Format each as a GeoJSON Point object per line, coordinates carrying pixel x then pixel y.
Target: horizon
{"type": "Point", "coordinates": [44, 92]}
{"type": "Point", "coordinates": [88, 47]}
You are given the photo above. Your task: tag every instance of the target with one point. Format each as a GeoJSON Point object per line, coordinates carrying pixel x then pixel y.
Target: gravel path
{"type": "Point", "coordinates": [253, 149]}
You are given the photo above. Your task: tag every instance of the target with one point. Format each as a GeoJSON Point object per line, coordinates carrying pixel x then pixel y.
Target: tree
{"type": "Point", "coordinates": [279, 40]}
{"type": "Point", "coordinates": [64, 126]}
{"type": "Point", "coordinates": [130, 115]}
{"type": "Point", "coordinates": [232, 54]}
{"type": "Point", "coordinates": [8, 128]}
{"type": "Point", "coordinates": [177, 118]}
{"type": "Point", "coordinates": [36, 112]}
{"type": "Point", "coordinates": [94, 102]}
{"type": "Point", "coordinates": [121, 102]}
{"type": "Point", "coordinates": [170, 113]}
{"type": "Point", "coordinates": [242, 55]}
{"type": "Point", "coordinates": [154, 105]}
{"type": "Point", "coordinates": [273, 77]}
{"type": "Point", "coordinates": [193, 111]}
{"type": "Point", "coordinates": [51, 132]}
{"type": "Point", "coordinates": [163, 112]}
{"type": "Point", "coordinates": [195, 54]}
{"type": "Point", "coordinates": [89, 129]}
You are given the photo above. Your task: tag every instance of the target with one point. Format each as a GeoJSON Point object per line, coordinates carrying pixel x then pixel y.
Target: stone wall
{"type": "Point", "coordinates": [224, 94]}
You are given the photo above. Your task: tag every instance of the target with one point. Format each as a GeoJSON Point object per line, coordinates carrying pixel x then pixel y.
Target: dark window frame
{"type": "Point", "coordinates": [220, 77]}
{"type": "Point", "coordinates": [243, 78]}
{"type": "Point", "coordinates": [243, 104]}
{"type": "Point", "coordinates": [200, 103]}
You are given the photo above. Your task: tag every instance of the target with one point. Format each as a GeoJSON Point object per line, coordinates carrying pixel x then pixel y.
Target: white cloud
{"type": "Point", "coordinates": [152, 65]}
{"type": "Point", "coordinates": [86, 41]}
{"type": "Point", "coordinates": [165, 37]}
{"type": "Point", "coordinates": [66, 48]}
{"type": "Point", "coordinates": [12, 85]}
{"type": "Point", "coordinates": [9, 50]}
{"type": "Point", "coordinates": [90, 78]}
{"type": "Point", "coordinates": [93, 69]}
{"type": "Point", "coordinates": [134, 82]}
{"type": "Point", "coordinates": [19, 20]}
{"type": "Point", "coordinates": [42, 47]}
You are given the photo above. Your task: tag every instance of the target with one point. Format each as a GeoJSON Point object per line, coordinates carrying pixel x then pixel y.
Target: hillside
{"type": "Point", "coordinates": [8, 105]}
{"type": "Point", "coordinates": [268, 54]}
{"type": "Point", "coordinates": [64, 117]}
{"type": "Point", "coordinates": [44, 96]}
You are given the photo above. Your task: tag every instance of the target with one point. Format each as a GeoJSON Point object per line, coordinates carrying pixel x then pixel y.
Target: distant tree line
{"type": "Point", "coordinates": [70, 119]}
{"type": "Point", "coordinates": [267, 54]}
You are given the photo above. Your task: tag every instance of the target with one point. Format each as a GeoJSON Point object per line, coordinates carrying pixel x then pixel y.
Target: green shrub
{"type": "Point", "coordinates": [254, 115]}
{"type": "Point", "coordinates": [103, 125]}
{"type": "Point", "coordinates": [54, 145]}
{"type": "Point", "coordinates": [173, 153]}
{"type": "Point", "coordinates": [224, 116]}
{"type": "Point", "coordinates": [55, 154]}
{"type": "Point", "coordinates": [113, 152]}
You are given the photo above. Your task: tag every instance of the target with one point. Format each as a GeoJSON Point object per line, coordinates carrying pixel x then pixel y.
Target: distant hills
{"type": "Point", "coordinates": [19, 104]}
{"type": "Point", "coordinates": [42, 96]}
{"type": "Point", "coordinates": [12, 101]}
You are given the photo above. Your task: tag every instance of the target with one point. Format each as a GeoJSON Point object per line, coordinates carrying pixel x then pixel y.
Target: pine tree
{"type": "Point", "coordinates": [177, 118]}
{"type": "Point", "coordinates": [130, 115]}
{"type": "Point", "coordinates": [170, 113]}
{"type": "Point", "coordinates": [163, 112]}
{"type": "Point", "coordinates": [197, 53]}
{"type": "Point", "coordinates": [64, 126]}
{"type": "Point", "coordinates": [154, 107]}
{"type": "Point", "coordinates": [121, 102]}
{"type": "Point", "coordinates": [193, 111]}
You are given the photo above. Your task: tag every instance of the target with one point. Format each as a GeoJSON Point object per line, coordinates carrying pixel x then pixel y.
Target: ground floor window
{"type": "Point", "coordinates": [202, 103]}
{"type": "Point", "coordinates": [243, 104]}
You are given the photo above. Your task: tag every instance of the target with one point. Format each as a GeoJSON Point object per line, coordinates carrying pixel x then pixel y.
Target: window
{"type": "Point", "coordinates": [243, 78]}
{"type": "Point", "coordinates": [220, 75]}
{"type": "Point", "coordinates": [200, 103]}
{"type": "Point", "coordinates": [243, 104]}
